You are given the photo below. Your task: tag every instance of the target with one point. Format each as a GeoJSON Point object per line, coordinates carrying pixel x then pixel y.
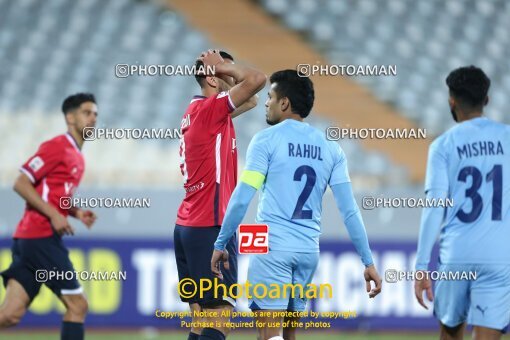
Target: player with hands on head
{"type": "Point", "coordinates": [209, 167]}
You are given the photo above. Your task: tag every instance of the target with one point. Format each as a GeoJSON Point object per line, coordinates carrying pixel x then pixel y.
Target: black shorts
{"type": "Point", "coordinates": [42, 260]}
{"type": "Point", "coordinates": [193, 250]}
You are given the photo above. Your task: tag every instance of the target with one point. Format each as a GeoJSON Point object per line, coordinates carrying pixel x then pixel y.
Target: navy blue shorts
{"type": "Point", "coordinates": [33, 260]}
{"type": "Point", "coordinates": [193, 250]}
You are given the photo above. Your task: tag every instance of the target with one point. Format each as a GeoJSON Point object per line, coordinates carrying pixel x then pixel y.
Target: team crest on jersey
{"type": "Point", "coordinates": [36, 163]}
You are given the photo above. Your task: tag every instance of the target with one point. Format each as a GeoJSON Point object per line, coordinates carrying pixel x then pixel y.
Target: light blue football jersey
{"type": "Point", "coordinates": [298, 163]}
{"type": "Point", "coordinates": [471, 161]}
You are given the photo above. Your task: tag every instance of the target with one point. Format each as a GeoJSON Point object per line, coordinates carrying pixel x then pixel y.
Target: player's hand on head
{"type": "Point", "coordinates": [61, 225]}
{"type": "Point", "coordinates": [211, 58]}
{"type": "Point", "coordinates": [217, 258]}
{"type": "Point", "coordinates": [423, 285]}
{"type": "Point", "coordinates": [372, 275]}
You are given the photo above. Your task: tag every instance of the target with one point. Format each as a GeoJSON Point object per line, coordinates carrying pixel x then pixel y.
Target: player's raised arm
{"type": "Point", "coordinates": [24, 187]}
{"type": "Point", "coordinates": [248, 105]}
{"type": "Point", "coordinates": [436, 187]}
{"type": "Point", "coordinates": [248, 80]}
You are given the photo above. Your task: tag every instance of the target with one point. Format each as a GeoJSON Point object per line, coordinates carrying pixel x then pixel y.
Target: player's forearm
{"type": "Point", "coordinates": [243, 74]}
{"type": "Point", "coordinates": [250, 104]}
{"type": "Point", "coordinates": [346, 203]}
{"type": "Point", "coordinates": [431, 221]}
{"type": "Point", "coordinates": [359, 238]}
{"type": "Point", "coordinates": [26, 190]}
{"type": "Point", "coordinates": [236, 209]}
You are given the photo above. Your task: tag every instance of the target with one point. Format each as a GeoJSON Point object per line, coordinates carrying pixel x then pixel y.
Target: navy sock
{"type": "Point", "coordinates": [72, 331]}
{"type": "Point", "coordinates": [193, 336]}
{"type": "Point", "coordinates": [211, 334]}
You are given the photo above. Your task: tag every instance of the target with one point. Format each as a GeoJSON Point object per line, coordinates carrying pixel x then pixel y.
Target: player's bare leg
{"type": "Point", "coordinates": [74, 317]}
{"type": "Point", "coordinates": [225, 310]}
{"type": "Point", "coordinates": [484, 333]}
{"type": "Point", "coordinates": [268, 331]}
{"type": "Point", "coordinates": [452, 333]}
{"type": "Point", "coordinates": [289, 333]}
{"type": "Point", "coordinates": [195, 319]}
{"type": "Point", "coordinates": [15, 304]}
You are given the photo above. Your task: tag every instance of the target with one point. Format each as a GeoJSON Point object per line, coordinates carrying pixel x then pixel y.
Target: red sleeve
{"type": "Point", "coordinates": [218, 107]}
{"type": "Point", "coordinates": [40, 164]}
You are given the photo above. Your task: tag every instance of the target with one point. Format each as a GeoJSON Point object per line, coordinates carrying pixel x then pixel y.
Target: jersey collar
{"type": "Point", "coordinates": [72, 141]}
{"type": "Point", "coordinates": [197, 97]}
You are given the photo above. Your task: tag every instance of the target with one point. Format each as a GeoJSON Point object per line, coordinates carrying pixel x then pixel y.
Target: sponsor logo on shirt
{"type": "Point", "coordinates": [195, 187]}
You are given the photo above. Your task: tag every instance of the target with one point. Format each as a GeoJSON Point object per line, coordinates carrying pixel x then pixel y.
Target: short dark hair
{"type": "Point", "coordinates": [469, 85]}
{"type": "Point", "coordinates": [199, 64]}
{"type": "Point", "coordinates": [74, 101]}
{"type": "Point", "coordinates": [226, 55]}
{"type": "Point", "coordinates": [296, 87]}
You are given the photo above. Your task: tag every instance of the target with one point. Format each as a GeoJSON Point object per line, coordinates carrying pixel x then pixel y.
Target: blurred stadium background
{"type": "Point", "coordinates": [50, 49]}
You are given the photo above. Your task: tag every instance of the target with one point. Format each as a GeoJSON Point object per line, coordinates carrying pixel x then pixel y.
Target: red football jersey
{"type": "Point", "coordinates": [55, 170]}
{"type": "Point", "coordinates": [208, 160]}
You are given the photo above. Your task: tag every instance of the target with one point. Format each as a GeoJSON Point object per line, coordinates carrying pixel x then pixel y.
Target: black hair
{"type": "Point", "coordinates": [469, 85]}
{"type": "Point", "coordinates": [74, 101]}
{"type": "Point", "coordinates": [297, 88]}
{"type": "Point", "coordinates": [199, 65]}
{"type": "Point", "coordinates": [226, 55]}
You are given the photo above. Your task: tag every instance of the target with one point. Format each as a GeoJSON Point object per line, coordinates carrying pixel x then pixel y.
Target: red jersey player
{"type": "Point", "coordinates": [209, 167]}
{"type": "Point", "coordinates": [38, 253]}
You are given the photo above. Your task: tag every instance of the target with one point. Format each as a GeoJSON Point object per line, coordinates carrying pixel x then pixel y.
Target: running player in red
{"type": "Point", "coordinates": [53, 173]}
{"type": "Point", "coordinates": [209, 167]}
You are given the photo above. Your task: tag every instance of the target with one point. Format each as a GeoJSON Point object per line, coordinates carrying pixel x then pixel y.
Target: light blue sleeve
{"type": "Point", "coordinates": [431, 220]}
{"type": "Point", "coordinates": [349, 209]}
{"type": "Point", "coordinates": [340, 174]}
{"type": "Point", "coordinates": [437, 167]}
{"type": "Point", "coordinates": [436, 187]}
{"type": "Point", "coordinates": [236, 209]}
{"type": "Point", "coordinates": [258, 153]}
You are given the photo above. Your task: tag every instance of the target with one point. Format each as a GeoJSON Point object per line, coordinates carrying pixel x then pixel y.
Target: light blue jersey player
{"type": "Point", "coordinates": [470, 163]}
{"type": "Point", "coordinates": [293, 164]}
